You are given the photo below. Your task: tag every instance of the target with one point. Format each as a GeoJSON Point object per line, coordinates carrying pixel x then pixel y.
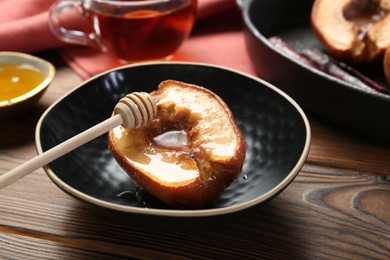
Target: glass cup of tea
{"type": "Point", "coordinates": [134, 30]}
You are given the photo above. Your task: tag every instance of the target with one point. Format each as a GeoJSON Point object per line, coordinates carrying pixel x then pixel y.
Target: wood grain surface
{"type": "Point", "coordinates": [338, 207]}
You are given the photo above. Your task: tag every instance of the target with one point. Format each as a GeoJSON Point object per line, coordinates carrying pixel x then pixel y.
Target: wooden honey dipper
{"type": "Point", "coordinates": [132, 111]}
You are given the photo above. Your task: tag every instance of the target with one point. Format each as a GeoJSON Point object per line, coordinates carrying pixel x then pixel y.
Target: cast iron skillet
{"type": "Point", "coordinates": [341, 103]}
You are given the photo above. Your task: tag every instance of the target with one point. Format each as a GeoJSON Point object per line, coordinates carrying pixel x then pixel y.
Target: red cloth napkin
{"type": "Point", "coordinates": [217, 37]}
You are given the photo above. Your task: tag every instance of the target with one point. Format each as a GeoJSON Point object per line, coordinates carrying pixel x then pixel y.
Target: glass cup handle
{"type": "Point", "coordinates": [72, 36]}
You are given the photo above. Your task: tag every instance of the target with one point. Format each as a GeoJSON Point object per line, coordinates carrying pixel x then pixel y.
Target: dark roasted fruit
{"type": "Point", "coordinates": [323, 62]}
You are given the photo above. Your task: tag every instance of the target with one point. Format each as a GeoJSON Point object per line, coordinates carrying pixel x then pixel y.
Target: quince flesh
{"type": "Point", "coordinates": [386, 64]}
{"type": "Point", "coordinates": [189, 153]}
{"type": "Point", "coordinates": [356, 31]}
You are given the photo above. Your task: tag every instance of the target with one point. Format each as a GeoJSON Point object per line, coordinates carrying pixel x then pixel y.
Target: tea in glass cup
{"type": "Point", "coordinates": [135, 30]}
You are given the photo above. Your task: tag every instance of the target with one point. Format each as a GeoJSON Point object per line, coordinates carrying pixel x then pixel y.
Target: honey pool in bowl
{"type": "Point", "coordinates": [23, 80]}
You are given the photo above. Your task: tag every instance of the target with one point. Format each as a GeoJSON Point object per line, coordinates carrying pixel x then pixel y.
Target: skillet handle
{"type": "Point", "coordinates": [241, 3]}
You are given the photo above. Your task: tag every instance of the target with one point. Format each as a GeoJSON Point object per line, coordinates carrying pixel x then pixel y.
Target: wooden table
{"type": "Point", "coordinates": [338, 207]}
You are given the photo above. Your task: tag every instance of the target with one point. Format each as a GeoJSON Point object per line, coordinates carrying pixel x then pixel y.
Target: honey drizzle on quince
{"type": "Point", "coordinates": [175, 139]}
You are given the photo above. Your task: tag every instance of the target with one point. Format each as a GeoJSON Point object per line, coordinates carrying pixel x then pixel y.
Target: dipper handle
{"type": "Point", "coordinates": [132, 111]}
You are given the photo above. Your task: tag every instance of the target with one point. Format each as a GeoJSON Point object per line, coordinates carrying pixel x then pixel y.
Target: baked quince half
{"type": "Point", "coordinates": [356, 31]}
{"type": "Point", "coordinates": [188, 153]}
{"type": "Point", "coordinates": [386, 64]}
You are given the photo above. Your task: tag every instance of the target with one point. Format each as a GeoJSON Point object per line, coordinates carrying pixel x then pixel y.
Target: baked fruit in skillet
{"type": "Point", "coordinates": [356, 31]}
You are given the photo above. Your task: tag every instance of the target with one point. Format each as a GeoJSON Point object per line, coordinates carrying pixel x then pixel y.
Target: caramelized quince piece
{"type": "Point", "coordinates": [189, 153]}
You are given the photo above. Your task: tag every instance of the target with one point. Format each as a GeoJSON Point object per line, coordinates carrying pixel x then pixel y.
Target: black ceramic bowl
{"type": "Point", "coordinates": [341, 103]}
{"type": "Point", "coordinates": [276, 131]}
